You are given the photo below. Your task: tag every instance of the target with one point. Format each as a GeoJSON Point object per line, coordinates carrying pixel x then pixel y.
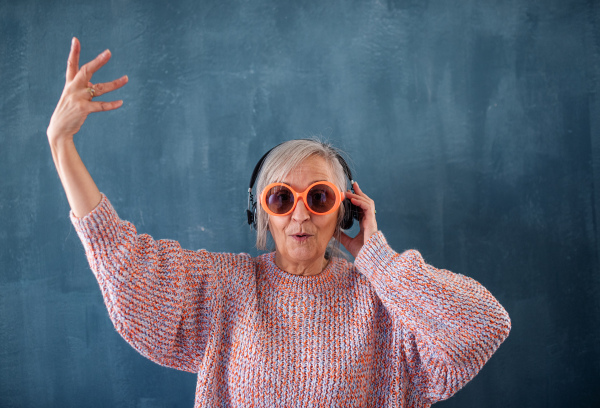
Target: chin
{"type": "Point", "coordinates": [304, 252]}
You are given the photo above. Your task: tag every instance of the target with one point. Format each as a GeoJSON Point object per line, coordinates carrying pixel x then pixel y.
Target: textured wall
{"type": "Point", "coordinates": [473, 124]}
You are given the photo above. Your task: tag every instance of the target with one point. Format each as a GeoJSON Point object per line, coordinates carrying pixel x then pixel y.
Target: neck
{"type": "Point", "coordinates": [309, 268]}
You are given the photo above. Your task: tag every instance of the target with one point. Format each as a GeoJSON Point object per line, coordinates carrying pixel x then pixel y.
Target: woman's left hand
{"type": "Point", "coordinates": [368, 223]}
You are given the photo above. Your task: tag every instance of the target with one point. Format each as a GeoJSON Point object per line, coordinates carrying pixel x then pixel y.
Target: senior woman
{"type": "Point", "coordinates": [291, 328]}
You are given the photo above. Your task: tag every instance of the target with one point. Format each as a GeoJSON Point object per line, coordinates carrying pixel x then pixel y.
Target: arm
{"type": "Point", "coordinates": [153, 289]}
{"type": "Point", "coordinates": [73, 107]}
{"type": "Point", "coordinates": [160, 297]}
{"type": "Point", "coordinates": [449, 324]}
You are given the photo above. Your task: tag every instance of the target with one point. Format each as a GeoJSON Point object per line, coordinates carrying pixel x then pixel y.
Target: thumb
{"type": "Point", "coordinates": [345, 240]}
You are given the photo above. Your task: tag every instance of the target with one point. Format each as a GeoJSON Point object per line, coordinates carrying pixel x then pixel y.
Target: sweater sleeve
{"type": "Point", "coordinates": [158, 295]}
{"type": "Point", "coordinates": [450, 325]}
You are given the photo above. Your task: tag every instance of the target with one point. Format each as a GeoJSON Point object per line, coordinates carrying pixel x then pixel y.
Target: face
{"type": "Point", "coordinates": [301, 237]}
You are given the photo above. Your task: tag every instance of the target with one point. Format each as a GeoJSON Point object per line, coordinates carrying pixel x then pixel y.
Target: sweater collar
{"type": "Point", "coordinates": [283, 281]}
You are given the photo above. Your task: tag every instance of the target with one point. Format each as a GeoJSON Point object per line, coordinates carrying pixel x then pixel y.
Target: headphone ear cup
{"type": "Point", "coordinates": [351, 213]}
{"type": "Point", "coordinates": [356, 212]}
{"type": "Point", "coordinates": [348, 219]}
{"type": "Point", "coordinates": [250, 217]}
{"type": "Point", "coordinates": [251, 214]}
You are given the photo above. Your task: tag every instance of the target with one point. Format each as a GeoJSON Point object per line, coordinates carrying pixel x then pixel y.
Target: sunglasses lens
{"type": "Point", "coordinates": [321, 198]}
{"type": "Point", "coordinates": [279, 199]}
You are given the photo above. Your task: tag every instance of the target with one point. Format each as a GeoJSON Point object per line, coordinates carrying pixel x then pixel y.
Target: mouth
{"type": "Point", "coordinates": [301, 237]}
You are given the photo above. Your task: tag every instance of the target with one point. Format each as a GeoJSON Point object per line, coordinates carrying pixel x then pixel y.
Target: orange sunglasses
{"type": "Point", "coordinates": [320, 198]}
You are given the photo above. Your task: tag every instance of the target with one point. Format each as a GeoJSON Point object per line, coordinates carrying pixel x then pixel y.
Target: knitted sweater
{"type": "Point", "coordinates": [386, 331]}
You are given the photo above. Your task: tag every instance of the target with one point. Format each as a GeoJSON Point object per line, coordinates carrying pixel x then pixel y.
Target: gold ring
{"type": "Point", "coordinates": [91, 91]}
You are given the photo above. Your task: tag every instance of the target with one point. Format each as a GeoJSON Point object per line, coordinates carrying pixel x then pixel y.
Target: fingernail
{"type": "Point", "coordinates": [105, 53]}
{"type": "Point", "coordinates": [72, 42]}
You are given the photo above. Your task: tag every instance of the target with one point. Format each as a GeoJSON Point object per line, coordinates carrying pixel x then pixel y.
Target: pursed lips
{"type": "Point", "coordinates": [301, 236]}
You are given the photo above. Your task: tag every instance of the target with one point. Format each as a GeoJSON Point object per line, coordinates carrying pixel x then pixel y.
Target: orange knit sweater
{"type": "Point", "coordinates": [386, 331]}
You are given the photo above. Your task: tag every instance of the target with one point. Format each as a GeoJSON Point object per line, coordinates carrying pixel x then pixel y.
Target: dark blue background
{"type": "Point", "coordinates": [474, 125]}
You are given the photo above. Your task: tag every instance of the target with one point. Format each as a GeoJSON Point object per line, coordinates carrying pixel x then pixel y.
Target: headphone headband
{"type": "Point", "coordinates": [259, 165]}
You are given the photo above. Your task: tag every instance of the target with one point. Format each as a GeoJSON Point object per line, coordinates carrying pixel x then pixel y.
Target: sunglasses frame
{"type": "Point", "coordinates": [303, 195]}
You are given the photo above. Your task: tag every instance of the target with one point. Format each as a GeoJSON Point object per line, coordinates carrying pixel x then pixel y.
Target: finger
{"type": "Point", "coordinates": [364, 211]}
{"type": "Point", "coordinates": [350, 194]}
{"type": "Point", "coordinates": [367, 219]}
{"type": "Point", "coordinates": [359, 193]}
{"type": "Point", "coordinates": [362, 198]}
{"type": "Point", "coordinates": [367, 207]}
{"type": "Point", "coordinates": [88, 93]}
{"type": "Point", "coordinates": [106, 87]}
{"type": "Point", "coordinates": [73, 61]}
{"type": "Point", "coordinates": [105, 106]}
{"type": "Point", "coordinates": [89, 69]}
{"type": "Point", "coordinates": [358, 190]}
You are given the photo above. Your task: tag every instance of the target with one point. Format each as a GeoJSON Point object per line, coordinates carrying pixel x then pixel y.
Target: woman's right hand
{"type": "Point", "coordinates": [76, 101]}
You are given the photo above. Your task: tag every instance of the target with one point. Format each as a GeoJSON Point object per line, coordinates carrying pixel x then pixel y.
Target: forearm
{"type": "Point", "coordinates": [82, 193]}
{"type": "Point", "coordinates": [75, 104]}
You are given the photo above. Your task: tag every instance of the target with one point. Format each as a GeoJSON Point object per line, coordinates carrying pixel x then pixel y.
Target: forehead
{"type": "Point", "coordinates": [314, 168]}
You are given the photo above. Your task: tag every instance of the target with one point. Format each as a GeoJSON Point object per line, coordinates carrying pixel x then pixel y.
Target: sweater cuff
{"type": "Point", "coordinates": [99, 225]}
{"type": "Point", "coordinates": [374, 254]}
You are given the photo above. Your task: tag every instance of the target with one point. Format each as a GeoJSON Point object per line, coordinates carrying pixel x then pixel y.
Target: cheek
{"type": "Point", "coordinates": [277, 225]}
{"type": "Point", "coordinates": [328, 225]}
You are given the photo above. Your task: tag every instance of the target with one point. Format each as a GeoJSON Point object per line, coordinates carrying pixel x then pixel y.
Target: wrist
{"type": "Point", "coordinates": [58, 142]}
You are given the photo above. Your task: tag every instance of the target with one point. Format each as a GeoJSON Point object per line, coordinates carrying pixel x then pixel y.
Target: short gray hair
{"type": "Point", "coordinates": [279, 164]}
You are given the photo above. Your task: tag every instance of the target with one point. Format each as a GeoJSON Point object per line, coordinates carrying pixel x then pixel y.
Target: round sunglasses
{"type": "Point", "coordinates": [320, 198]}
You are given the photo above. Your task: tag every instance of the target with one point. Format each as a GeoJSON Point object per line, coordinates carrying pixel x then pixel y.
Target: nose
{"type": "Point", "coordinates": [300, 213]}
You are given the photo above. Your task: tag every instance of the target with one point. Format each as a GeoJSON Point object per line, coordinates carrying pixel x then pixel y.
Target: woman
{"type": "Point", "coordinates": [295, 327]}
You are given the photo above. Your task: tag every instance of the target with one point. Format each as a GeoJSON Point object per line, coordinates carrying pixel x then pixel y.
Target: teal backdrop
{"type": "Point", "coordinates": [474, 125]}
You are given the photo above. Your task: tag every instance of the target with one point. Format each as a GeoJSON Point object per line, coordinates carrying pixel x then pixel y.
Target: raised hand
{"type": "Point", "coordinates": [368, 223]}
{"type": "Point", "coordinates": [75, 104]}
{"type": "Point", "coordinates": [76, 101]}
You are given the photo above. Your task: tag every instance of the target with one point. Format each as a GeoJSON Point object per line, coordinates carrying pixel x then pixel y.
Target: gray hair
{"type": "Point", "coordinates": [279, 164]}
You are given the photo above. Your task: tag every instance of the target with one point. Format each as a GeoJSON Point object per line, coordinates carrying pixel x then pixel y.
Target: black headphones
{"type": "Point", "coordinates": [351, 211]}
